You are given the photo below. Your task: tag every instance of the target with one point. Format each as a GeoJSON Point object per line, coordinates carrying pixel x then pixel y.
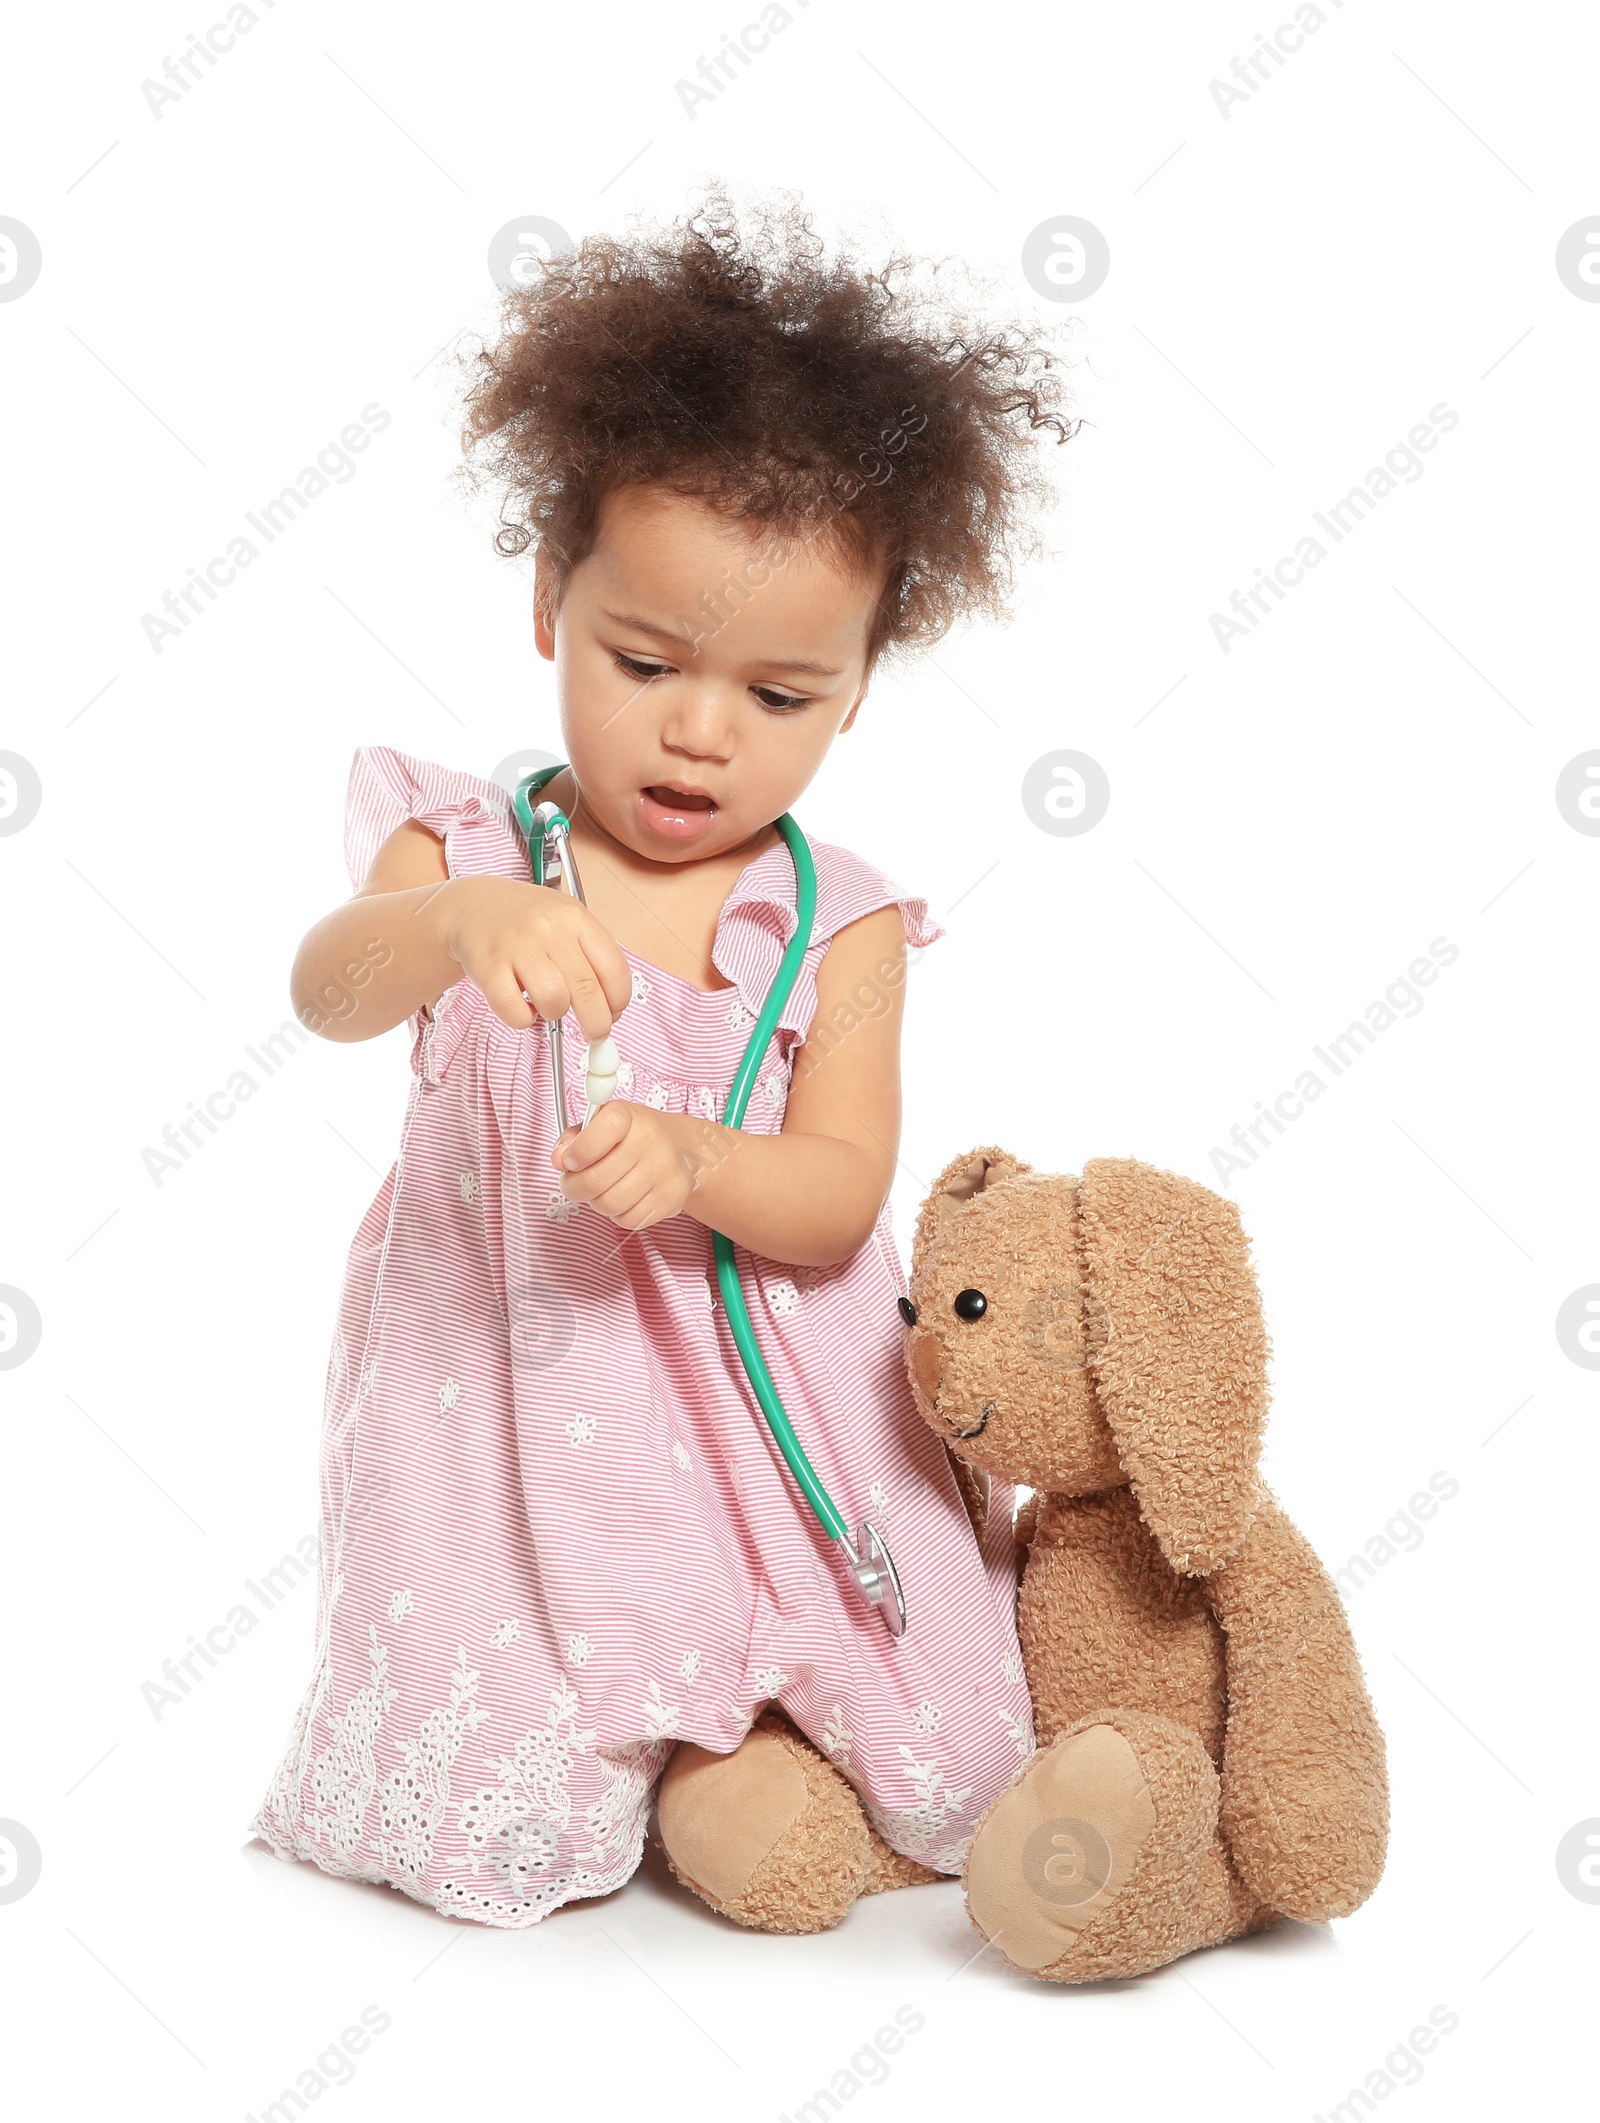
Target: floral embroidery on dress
{"type": "Point", "coordinates": [703, 1101]}
{"type": "Point", "coordinates": [680, 1458]}
{"type": "Point", "coordinates": [1011, 1668]}
{"type": "Point", "coordinates": [641, 986]}
{"type": "Point", "coordinates": [560, 1210]}
{"type": "Point", "coordinates": [504, 1633]}
{"type": "Point", "coordinates": [281, 1821]}
{"type": "Point", "coordinates": [345, 1775]}
{"type": "Point", "coordinates": [1018, 1729]}
{"type": "Point", "coordinates": [773, 1088]}
{"type": "Point", "coordinates": [578, 1649]}
{"type": "Point", "coordinates": [660, 1719]}
{"type": "Point", "coordinates": [929, 1717]}
{"type": "Point", "coordinates": [914, 1830]}
{"type": "Point", "coordinates": [616, 1819]}
{"type": "Point", "coordinates": [369, 1379]}
{"type": "Point", "coordinates": [738, 1016]}
{"type": "Point", "coordinates": [581, 1429]}
{"type": "Point", "coordinates": [769, 1679]}
{"type": "Point", "coordinates": [449, 1395]}
{"type": "Point", "coordinates": [517, 1829]}
{"type": "Point", "coordinates": [879, 1496]}
{"type": "Point", "coordinates": [412, 1799]}
{"type": "Point", "coordinates": [837, 1740]}
{"type": "Point", "coordinates": [400, 1606]}
{"type": "Point", "coordinates": [525, 1848]}
{"type": "Point", "coordinates": [783, 1297]}
{"type": "Point", "coordinates": [469, 1187]}
{"type": "Point", "coordinates": [656, 1096]}
{"type": "Point", "coordinates": [689, 1667]}
{"type": "Point", "coordinates": [624, 1078]}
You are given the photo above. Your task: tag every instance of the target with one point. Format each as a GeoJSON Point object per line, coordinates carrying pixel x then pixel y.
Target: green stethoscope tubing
{"type": "Point", "coordinates": [728, 1280]}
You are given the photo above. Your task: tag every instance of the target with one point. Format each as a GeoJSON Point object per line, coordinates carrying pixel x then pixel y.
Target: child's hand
{"type": "Point", "coordinates": [509, 937]}
{"type": "Point", "coordinates": [633, 1164]}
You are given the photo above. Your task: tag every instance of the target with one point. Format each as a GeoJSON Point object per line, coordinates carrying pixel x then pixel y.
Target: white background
{"type": "Point", "coordinates": [1293, 286]}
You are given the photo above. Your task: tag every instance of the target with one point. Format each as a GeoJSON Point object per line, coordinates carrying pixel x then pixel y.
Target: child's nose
{"type": "Point", "coordinates": [700, 721]}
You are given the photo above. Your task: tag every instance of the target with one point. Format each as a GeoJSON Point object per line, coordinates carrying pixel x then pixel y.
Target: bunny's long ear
{"type": "Point", "coordinates": [960, 1180]}
{"type": "Point", "coordinates": [1181, 1374]}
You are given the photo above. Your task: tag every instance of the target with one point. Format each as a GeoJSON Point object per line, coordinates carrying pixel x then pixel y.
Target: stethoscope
{"type": "Point", "coordinates": [546, 830]}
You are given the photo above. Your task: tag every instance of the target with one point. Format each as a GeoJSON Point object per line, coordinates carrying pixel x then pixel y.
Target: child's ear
{"type": "Point", "coordinates": [544, 605]}
{"type": "Point", "coordinates": [855, 705]}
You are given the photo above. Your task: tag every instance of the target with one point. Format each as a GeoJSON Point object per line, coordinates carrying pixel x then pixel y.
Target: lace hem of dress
{"type": "Point", "coordinates": [523, 1830]}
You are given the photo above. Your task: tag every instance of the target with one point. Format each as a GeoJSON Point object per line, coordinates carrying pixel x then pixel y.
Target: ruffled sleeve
{"type": "Point", "coordinates": [475, 822]}
{"type": "Point", "coordinates": [471, 816]}
{"type": "Point", "coordinates": [758, 920]}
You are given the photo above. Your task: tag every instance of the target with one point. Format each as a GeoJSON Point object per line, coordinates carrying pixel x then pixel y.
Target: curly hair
{"type": "Point", "coordinates": [812, 398]}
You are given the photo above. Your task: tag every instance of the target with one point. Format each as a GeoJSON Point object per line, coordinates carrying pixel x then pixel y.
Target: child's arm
{"type": "Point", "coordinates": [413, 930]}
{"type": "Point", "coordinates": [811, 1194]}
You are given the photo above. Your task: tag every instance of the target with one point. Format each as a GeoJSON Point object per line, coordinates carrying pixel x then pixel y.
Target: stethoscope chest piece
{"type": "Point", "coordinates": [876, 1575]}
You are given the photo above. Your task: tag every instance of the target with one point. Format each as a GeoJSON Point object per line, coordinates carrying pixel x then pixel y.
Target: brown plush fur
{"type": "Point", "coordinates": [1119, 1369]}
{"type": "Point", "coordinates": [772, 1835]}
{"type": "Point", "coordinates": [1209, 1762]}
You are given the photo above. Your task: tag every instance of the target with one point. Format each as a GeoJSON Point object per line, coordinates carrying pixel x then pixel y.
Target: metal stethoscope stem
{"type": "Point", "coordinates": [550, 833]}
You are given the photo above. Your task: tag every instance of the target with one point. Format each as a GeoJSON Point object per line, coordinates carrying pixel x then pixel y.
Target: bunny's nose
{"type": "Point", "coordinates": [927, 1366]}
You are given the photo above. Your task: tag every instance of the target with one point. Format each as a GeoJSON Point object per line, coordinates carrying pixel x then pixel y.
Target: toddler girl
{"type": "Point", "coordinates": [557, 1537]}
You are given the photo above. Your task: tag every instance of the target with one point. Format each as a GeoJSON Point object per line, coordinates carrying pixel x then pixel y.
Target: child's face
{"type": "Point", "coordinates": [680, 647]}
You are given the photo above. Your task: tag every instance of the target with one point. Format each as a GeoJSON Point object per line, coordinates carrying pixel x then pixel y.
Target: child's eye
{"type": "Point", "coordinates": [635, 669]}
{"type": "Point", "coordinates": [778, 703]}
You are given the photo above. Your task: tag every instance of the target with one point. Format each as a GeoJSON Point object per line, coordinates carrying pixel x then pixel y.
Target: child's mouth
{"type": "Point", "coordinates": [678, 814]}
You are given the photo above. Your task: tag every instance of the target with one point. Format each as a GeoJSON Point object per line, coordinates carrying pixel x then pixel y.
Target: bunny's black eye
{"type": "Point", "coordinates": [970, 1305]}
{"type": "Point", "coordinates": [908, 1311]}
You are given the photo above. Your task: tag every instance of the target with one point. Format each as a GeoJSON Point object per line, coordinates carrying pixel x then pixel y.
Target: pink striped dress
{"type": "Point", "coordinates": [556, 1534]}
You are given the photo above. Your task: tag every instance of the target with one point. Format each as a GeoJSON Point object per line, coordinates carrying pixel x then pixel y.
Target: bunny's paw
{"type": "Point", "coordinates": [1103, 1859]}
{"type": "Point", "coordinates": [772, 1835]}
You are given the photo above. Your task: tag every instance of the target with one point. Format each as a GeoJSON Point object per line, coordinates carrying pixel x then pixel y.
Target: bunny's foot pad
{"type": "Point", "coordinates": [1103, 1859]}
{"type": "Point", "coordinates": [772, 1835]}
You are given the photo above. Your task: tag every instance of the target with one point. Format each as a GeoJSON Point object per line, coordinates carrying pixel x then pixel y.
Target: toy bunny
{"type": "Point", "coordinates": [1209, 1762]}
{"type": "Point", "coordinates": [1208, 1759]}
